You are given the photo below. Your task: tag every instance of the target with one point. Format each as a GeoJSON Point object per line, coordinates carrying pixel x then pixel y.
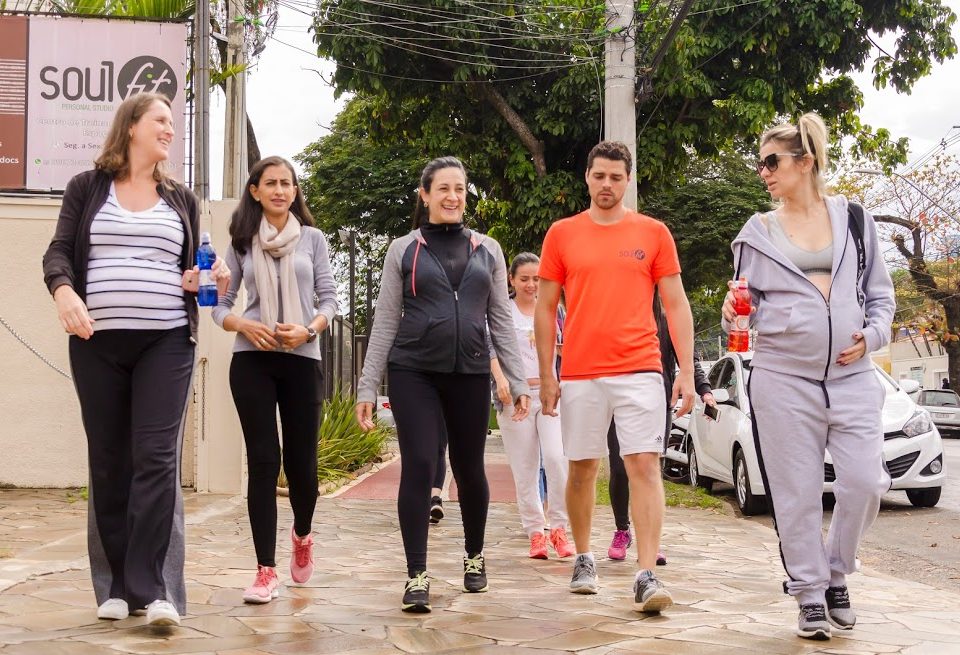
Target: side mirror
{"type": "Point", "coordinates": [909, 385]}
{"type": "Point", "coordinates": [721, 396]}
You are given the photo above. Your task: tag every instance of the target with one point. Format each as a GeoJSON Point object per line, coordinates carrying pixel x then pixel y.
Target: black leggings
{"type": "Point", "coordinates": [260, 382]}
{"type": "Point", "coordinates": [424, 405]}
{"type": "Point", "coordinates": [619, 485]}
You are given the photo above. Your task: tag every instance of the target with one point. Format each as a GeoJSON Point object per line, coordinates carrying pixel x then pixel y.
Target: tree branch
{"type": "Point", "coordinates": [533, 145]}
{"type": "Point", "coordinates": [895, 220]}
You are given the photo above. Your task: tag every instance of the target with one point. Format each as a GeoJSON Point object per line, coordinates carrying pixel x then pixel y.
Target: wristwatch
{"type": "Point", "coordinates": [311, 334]}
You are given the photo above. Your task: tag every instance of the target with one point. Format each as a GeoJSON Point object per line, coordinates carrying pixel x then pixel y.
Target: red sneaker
{"type": "Point", "coordinates": [301, 559]}
{"type": "Point", "coordinates": [538, 546]}
{"type": "Point", "coordinates": [264, 587]}
{"type": "Point", "coordinates": [558, 537]}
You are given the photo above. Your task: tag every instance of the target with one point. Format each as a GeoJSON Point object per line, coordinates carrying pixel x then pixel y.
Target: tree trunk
{"type": "Point", "coordinates": [533, 145]}
{"type": "Point", "coordinates": [951, 309]}
{"type": "Point", "coordinates": [253, 148]}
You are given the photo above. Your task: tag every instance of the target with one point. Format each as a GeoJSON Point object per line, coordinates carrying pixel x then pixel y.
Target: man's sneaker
{"type": "Point", "coordinates": [558, 537]}
{"type": "Point", "coordinates": [661, 559]}
{"type": "Point", "coordinates": [416, 594]}
{"type": "Point", "coordinates": [618, 547]}
{"type": "Point", "coordinates": [162, 612]}
{"type": "Point", "coordinates": [474, 574]}
{"type": "Point", "coordinates": [649, 594]}
{"type": "Point", "coordinates": [301, 557]}
{"type": "Point", "coordinates": [114, 609]}
{"type": "Point", "coordinates": [839, 612]}
{"type": "Point", "coordinates": [264, 587]}
{"type": "Point", "coordinates": [538, 546]}
{"type": "Point", "coordinates": [813, 623]}
{"type": "Point", "coordinates": [436, 509]}
{"type": "Point", "coordinates": [584, 579]}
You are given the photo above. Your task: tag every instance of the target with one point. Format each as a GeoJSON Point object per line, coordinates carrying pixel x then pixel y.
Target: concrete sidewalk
{"type": "Point", "coordinates": [724, 574]}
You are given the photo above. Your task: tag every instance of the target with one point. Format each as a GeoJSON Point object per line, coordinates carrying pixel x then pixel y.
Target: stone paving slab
{"type": "Point", "coordinates": [724, 574]}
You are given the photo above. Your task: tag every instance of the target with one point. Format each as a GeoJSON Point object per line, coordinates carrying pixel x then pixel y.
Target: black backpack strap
{"type": "Point", "coordinates": [855, 220]}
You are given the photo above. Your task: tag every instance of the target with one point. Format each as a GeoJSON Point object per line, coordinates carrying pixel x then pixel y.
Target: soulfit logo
{"type": "Point", "coordinates": [140, 74]}
{"type": "Point", "coordinates": [637, 254]}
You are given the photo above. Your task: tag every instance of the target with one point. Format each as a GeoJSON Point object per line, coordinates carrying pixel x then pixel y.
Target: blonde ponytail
{"type": "Point", "coordinates": [809, 137]}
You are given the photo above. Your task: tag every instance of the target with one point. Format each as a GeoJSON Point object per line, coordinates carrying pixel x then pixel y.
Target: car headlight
{"type": "Point", "coordinates": [918, 424]}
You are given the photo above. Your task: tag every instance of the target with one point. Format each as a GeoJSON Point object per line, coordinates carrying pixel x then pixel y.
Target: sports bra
{"type": "Point", "coordinates": [808, 261]}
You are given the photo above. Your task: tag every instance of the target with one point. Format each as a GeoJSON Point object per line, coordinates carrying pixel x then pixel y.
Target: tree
{"type": "Point", "coordinates": [919, 212]}
{"type": "Point", "coordinates": [514, 88]}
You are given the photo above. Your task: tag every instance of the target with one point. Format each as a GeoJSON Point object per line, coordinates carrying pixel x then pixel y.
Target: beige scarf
{"type": "Point", "coordinates": [270, 244]}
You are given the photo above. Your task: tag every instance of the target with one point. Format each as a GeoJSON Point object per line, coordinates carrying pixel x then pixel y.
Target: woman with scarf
{"type": "Point", "coordinates": [283, 261]}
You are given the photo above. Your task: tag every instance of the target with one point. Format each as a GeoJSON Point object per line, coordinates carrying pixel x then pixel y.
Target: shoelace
{"type": "Point", "coordinates": [838, 597]}
{"type": "Point", "coordinates": [559, 536]}
{"type": "Point", "coordinates": [621, 538]}
{"type": "Point", "coordinates": [538, 539]}
{"type": "Point", "coordinates": [263, 577]}
{"type": "Point", "coordinates": [473, 565]}
{"type": "Point", "coordinates": [418, 582]}
{"type": "Point", "coordinates": [301, 550]}
{"type": "Point", "coordinates": [813, 612]}
{"type": "Point", "coordinates": [584, 567]}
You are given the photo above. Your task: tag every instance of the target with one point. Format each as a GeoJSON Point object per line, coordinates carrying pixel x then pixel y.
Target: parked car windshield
{"type": "Point", "coordinates": [944, 398]}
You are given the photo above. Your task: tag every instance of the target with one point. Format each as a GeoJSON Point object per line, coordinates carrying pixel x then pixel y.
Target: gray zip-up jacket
{"type": "Point", "coordinates": [421, 323]}
{"type": "Point", "coordinates": [798, 332]}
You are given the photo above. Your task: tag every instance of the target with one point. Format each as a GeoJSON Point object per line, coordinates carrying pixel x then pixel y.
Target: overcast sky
{"type": "Point", "coordinates": [291, 106]}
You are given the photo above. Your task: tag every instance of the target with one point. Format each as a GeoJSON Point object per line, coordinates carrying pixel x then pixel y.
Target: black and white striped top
{"type": "Point", "coordinates": [133, 275]}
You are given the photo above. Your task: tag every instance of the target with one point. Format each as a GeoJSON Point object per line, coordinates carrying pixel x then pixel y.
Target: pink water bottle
{"type": "Point", "coordinates": [738, 340]}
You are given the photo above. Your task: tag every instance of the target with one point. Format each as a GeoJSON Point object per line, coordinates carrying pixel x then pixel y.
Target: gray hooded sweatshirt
{"type": "Point", "coordinates": [799, 332]}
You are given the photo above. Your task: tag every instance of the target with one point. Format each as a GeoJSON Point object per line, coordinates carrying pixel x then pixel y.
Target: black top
{"type": "Point", "coordinates": [451, 245]}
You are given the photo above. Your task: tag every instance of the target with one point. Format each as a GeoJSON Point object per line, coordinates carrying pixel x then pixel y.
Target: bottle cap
{"type": "Point", "coordinates": [204, 237]}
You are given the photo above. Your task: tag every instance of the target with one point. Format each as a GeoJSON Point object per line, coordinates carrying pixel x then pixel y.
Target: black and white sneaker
{"type": "Point", "coordinates": [839, 612]}
{"type": "Point", "coordinates": [416, 594]}
{"type": "Point", "coordinates": [436, 509]}
{"type": "Point", "coordinates": [474, 574]}
{"type": "Point", "coordinates": [584, 579]}
{"type": "Point", "coordinates": [813, 622]}
{"type": "Point", "coordinates": [649, 595]}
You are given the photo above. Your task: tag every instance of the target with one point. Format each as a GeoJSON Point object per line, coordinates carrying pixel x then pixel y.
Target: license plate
{"type": "Point", "coordinates": [941, 415]}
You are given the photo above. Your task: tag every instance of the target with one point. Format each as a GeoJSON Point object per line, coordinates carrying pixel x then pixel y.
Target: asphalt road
{"type": "Point", "coordinates": [918, 544]}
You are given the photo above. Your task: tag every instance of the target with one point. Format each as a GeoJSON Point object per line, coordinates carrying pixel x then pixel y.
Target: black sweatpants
{"type": "Point", "coordinates": [133, 387]}
{"type": "Point", "coordinates": [424, 403]}
{"type": "Point", "coordinates": [441, 475]}
{"type": "Point", "coordinates": [261, 382]}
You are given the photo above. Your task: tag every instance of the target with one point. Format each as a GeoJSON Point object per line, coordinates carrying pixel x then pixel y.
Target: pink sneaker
{"type": "Point", "coordinates": [618, 547]}
{"type": "Point", "coordinates": [661, 558]}
{"type": "Point", "coordinates": [264, 587]}
{"type": "Point", "coordinates": [558, 537]}
{"type": "Point", "coordinates": [538, 546]}
{"type": "Point", "coordinates": [301, 559]}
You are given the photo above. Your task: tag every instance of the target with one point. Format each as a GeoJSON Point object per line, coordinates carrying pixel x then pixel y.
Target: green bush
{"type": "Point", "coordinates": [343, 447]}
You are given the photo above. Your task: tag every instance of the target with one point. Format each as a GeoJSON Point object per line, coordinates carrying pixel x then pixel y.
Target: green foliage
{"type": "Point", "coordinates": [515, 90]}
{"type": "Point", "coordinates": [343, 447]}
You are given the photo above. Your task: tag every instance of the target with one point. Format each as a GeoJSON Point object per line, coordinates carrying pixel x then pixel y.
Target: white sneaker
{"type": "Point", "coordinates": [162, 612]}
{"type": "Point", "coordinates": [114, 609]}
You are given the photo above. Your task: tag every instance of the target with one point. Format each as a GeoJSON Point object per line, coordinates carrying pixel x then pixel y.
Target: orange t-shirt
{"type": "Point", "coordinates": [608, 273]}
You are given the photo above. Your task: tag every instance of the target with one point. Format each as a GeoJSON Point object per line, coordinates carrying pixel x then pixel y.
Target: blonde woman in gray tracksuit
{"type": "Point", "coordinates": [823, 301]}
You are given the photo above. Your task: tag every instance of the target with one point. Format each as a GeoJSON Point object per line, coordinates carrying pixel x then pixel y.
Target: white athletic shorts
{"type": "Point", "coordinates": [635, 401]}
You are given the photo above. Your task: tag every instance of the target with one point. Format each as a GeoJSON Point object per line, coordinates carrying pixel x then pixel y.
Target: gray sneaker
{"type": "Point", "coordinates": [584, 576]}
{"type": "Point", "coordinates": [813, 622]}
{"type": "Point", "coordinates": [839, 612]}
{"type": "Point", "coordinates": [649, 594]}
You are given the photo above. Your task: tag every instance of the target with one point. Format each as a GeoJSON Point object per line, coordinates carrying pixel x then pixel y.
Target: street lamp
{"type": "Point", "coordinates": [873, 171]}
{"type": "Point", "coordinates": [349, 239]}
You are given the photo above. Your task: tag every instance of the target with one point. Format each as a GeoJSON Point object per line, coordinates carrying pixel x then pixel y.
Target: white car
{"type": "Point", "coordinates": [723, 450]}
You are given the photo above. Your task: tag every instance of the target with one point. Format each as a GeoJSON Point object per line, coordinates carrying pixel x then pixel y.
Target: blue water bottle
{"type": "Point", "coordinates": [207, 293]}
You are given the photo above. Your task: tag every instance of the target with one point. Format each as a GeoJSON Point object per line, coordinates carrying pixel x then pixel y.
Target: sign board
{"type": "Point", "coordinates": [78, 70]}
{"type": "Point", "coordinates": [13, 101]}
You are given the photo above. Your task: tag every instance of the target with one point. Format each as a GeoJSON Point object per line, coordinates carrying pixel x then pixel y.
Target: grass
{"type": "Point", "coordinates": [73, 495]}
{"type": "Point", "coordinates": [678, 495]}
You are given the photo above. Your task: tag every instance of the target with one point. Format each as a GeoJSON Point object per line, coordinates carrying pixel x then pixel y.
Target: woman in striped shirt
{"type": "Point", "coordinates": [117, 267]}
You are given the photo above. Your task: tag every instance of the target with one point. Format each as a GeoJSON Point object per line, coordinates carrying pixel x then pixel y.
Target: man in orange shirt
{"type": "Point", "coordinates": [607, 261]}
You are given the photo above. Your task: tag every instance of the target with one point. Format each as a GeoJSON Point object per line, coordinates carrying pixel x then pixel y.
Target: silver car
{"type": "Point", "coordinates": [944, 407]}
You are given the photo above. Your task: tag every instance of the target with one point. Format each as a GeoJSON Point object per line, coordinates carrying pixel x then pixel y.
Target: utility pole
{"type": "Point", "coordinates": [235, 130]}
{"type": "Point", "coordinates": [619, 91]}
{"type": "Point", "coordinates": [201, 104]}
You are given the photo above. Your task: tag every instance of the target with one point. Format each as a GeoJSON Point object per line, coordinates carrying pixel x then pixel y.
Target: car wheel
{"type": "Point", "coordinates": [696, 480]}
{"type": "Point", "coordinates": [671, 470]}
{"type": "Point", "coordinates": [749, 503]}
{"type": "Point", "coordinates": [924, 497]}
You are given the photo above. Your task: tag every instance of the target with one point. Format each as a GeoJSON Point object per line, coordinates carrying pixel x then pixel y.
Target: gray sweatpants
{"type": "Point", "coordinates": [795, 419]}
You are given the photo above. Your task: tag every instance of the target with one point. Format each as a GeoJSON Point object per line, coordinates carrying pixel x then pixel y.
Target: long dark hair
{"type": "Point", "coordinates": [245, 221]}
{"type": "Point", "coordinates": [420, 213]}
{"type": "Point", "coordinates": [520, 260]}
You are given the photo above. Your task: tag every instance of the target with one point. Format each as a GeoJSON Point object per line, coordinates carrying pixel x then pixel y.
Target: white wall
{"type": "Point", "coordinates": [927, 369]}
{"type": "Point", "coordinates": [41, 434]}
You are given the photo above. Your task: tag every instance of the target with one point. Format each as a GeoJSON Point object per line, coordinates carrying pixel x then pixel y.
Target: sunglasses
{"type": "Point", "coordinates": [771, 161]}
